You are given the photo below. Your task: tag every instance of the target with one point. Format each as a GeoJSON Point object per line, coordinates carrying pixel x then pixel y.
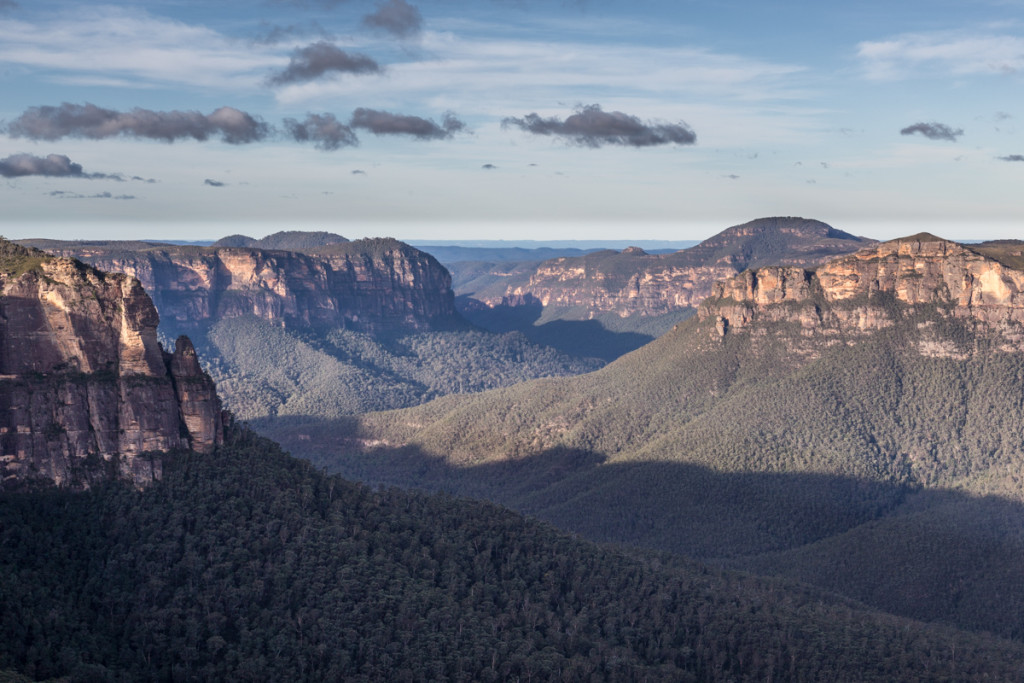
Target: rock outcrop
{"type": "Point", "coordinates": [368, 285]}
{"type": "Point", "coordinates": [633, 282]}
{"type": "Point", "coordinates": [86, 391]}
{"type": "Point", "coordinates": [922, 279]}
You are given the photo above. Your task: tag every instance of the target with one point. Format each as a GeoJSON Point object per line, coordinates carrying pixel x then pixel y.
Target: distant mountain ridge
{"type": "Point", "coordinates": [287, 240]}
{"type": "Point", "coordinates": [611, 302]}
{"type": "Point", "coordinates": [370, 284]}
{"type": "Point", "coordinates": [635, 282]}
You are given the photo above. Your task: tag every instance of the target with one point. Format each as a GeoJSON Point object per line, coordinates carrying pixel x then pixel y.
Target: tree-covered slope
{"type": "Point", "coordinates": [265, 371]}
{"type": "Point", "coordinates": [793, 426]}
{"type": "Point", "coordinates": [248, 565]}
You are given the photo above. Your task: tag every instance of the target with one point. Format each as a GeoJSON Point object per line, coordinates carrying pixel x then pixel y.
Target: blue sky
{"type": "Point", "coordinates": [506, 119]}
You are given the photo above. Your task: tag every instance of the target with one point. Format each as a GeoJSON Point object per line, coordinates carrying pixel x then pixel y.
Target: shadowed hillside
{"type": "Point", "coordinates": [867, 383]}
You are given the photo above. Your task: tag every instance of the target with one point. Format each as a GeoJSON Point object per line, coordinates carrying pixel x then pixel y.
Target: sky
{"type": "Point", "coordinates": [509, 119]}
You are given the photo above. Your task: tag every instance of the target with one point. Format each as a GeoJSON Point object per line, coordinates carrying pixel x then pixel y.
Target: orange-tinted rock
{"type": "Point", "coordinates": [371, 285]}
{"type": "Point", "coordinates": [85, 392]}
{"type": "Point", "coordinates": [849, 295]}
{"type": "Point", "coordinates": [634, 282]}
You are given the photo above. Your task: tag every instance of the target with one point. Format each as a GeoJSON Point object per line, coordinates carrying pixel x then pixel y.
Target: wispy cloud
{"type": "Point", "coordinates": [493, 75]}
{"type": "Point", "coordinates": [946, 52]}
{"type": "Point", "coordinates": [386, 123]}
{"type": "Point", "coordinates": [322, 129]}
{"type": "Point", "coordinates": [396, 17]}
{"type": "Point", "coordinates": [92, 122]}
{"type": "Point", "coordinates": [52, 165]}
{"type": "Point", "coordinates": [214, 183]}
{"type": "Point", "coordinates": [1012, 157]}
{"type": "Point", "coordinates": [934, 131]}
{"type": "Point", "coordinates": [62, 194]}
{"type": "Point", "coordinates": [592, 127]}
{"type": "Point", "coordinates": [126, 48]}
{"type": "Point", "coordinates": [273, 34]}
{"type": "Point", "coordinates": [320, 59]}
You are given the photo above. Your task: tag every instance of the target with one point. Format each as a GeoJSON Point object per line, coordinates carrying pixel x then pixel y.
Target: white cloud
{"type": "Point", "coordinates": [115, 46]}
{"type": "Point", "coordinates": [955, 53]}
{"type": "Point", "coordinates": [498, 76]}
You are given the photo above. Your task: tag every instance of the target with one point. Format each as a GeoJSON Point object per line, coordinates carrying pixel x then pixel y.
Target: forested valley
{"type": "Point", "coordinates": [250, 565]}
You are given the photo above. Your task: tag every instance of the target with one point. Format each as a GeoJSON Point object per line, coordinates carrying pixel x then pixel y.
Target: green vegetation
{"type": "Point", "coordinates": [16, 260]}
{"type": "Point", "coordinates": [1010, 253]}
{"type": "Point", "coordinates": [574, 331]}
{"type": "Point", "coordinates": [744, 451]}
{"type": "Point", "coordinates": [263, 370]}
{"type": "Point", "coordinates": [248, 565]}
{"type": "Point", "coordinates": [287, 240]}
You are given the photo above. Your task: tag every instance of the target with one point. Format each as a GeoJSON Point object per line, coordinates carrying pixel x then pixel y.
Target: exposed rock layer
{"type": "Point", "coordinates": [86, 391]}
{"type": "Point", "coordinates": [937, 280]}
{"type": "Point", "coordinates": [634, 282]}
{"type": "Point", "coordinates": [371, 285]}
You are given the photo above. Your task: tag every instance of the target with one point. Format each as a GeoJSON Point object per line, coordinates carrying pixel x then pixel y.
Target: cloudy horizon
{"type": "Point", "coordinates": [584, 120]}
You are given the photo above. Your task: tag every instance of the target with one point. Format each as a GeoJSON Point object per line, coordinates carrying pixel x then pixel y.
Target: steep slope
{"type": "Point", "coordinates": [375, 284]}
{"type": "Point", "coordinates": [335, 329]}
{"type": "Point", "coordinates": [799, 406]}
{"type": "Point", "coordinates": [85, 388]}
{"type": "Point", "coordinates": [253, 566]}
{"type": "Point", "coordinates": [636, 292]}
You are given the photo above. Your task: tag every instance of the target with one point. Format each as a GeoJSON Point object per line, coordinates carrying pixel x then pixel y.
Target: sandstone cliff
{"type": "Point", "coordinates": [633, 282]}
{"type": "Point", "coordinates": [934, 284]}
{"type": "Point", "coordinates": [370, 285]}
{"type": "Point", "coordinates": [86, 391]}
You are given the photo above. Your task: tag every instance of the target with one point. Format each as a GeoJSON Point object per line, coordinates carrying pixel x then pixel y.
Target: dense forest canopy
{"type": "Point", "coordinates": [249, 565]}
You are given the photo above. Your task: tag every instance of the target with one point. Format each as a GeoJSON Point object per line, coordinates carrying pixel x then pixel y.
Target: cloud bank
{"type": "Point", "coordinates": [320, 58]}
{"type": "Point", "coordinates": [52, 165]}
{"type": "Point", "coordinates": [322, 129]}
{"type": "Point", "coordinates": [934, 131]}
{"type": "Point", "coordinates": [396, 17]}
{"type": "Point", "coordinates": [590, 126]}
{"type": "Point", "coordinates": [386, 123]}
{"type": "Point", "coordinates": [95, 123]}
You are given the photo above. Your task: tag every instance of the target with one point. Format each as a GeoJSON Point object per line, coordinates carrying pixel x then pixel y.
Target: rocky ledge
{"type": "Point", "coordinates": [922, 279]}
{"type": "Point", "coordinates": [633, 282]}
{"type": "Point", "coordinates": [86, 391]}
{"type": "Point", "coordinates": [371, 285]}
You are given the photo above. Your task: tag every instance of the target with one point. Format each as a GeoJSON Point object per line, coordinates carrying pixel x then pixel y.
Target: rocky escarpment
{"type": "Point", "coordinates": [86, 391]}
{"type": "Point", "coordinates": [370, 285]}
{"type": "Point", "coordinates": [936, 285]}
{"type": "Point", "coordinates": [633, 282]}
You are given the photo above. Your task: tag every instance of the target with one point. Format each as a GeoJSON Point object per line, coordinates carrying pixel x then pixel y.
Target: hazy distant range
{"type": "Point", "coordinates": [449, 251]}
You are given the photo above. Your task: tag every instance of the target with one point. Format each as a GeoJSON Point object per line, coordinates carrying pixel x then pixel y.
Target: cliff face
{"type": "Point", "coordinates": [365, 285]}
{"type": "Point", "coordinates": [86, 391]}
{"type": "Point", "coordinates": [921, 279]}
{"type": "Point", "coordinates": [636, 283]}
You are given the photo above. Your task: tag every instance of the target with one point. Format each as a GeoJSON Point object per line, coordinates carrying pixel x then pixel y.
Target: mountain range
{"type": "Point", "coordinates": [607, 303]}
{"type": "Point", "coordinates": [857, 425]}
{"type": "Point", "coordinates": [312, 324]}
{"type": "Point", "coordinates": [230, 560]}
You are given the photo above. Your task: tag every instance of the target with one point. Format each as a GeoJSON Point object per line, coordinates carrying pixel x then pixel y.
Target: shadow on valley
{"type": "Point", "coordinates": [934, 555]}
{"type": "Point", "coordinates": [581, 338]}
